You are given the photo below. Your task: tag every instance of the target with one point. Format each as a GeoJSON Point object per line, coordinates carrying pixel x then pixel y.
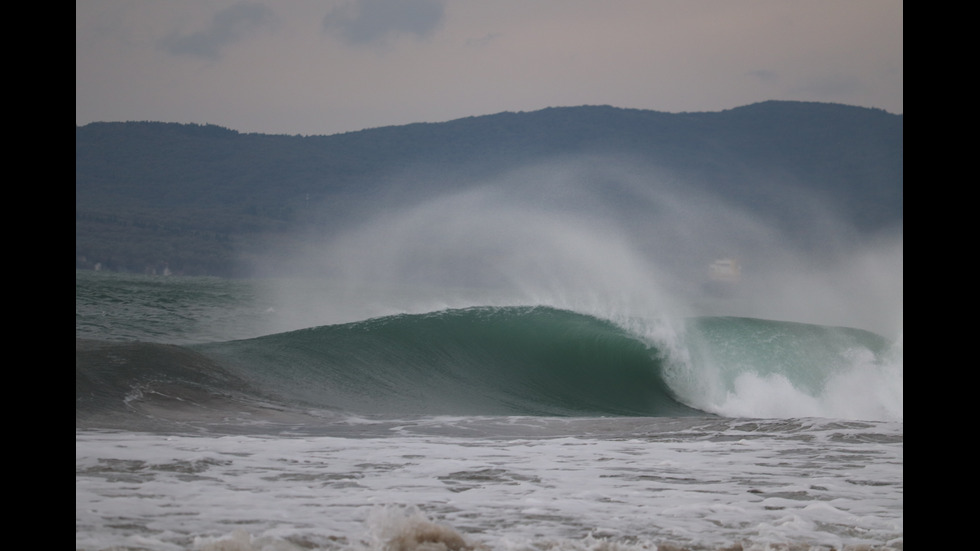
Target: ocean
{"type": "Point", "coordinates": [216, 414]}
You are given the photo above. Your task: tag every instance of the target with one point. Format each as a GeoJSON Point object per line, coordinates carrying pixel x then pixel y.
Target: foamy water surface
{"type": "Point", "coordinates": [498, 483]}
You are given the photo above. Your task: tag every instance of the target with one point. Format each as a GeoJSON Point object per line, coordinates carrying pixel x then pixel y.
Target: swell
{"type": "Point", "coordinates": [475, 361]}
{"type": "Point", "coordinates": [530, 361]}
{"type": "Point", "coordinates": [123, 384]}
{"type": "Point", "coordinates": [161, 387]}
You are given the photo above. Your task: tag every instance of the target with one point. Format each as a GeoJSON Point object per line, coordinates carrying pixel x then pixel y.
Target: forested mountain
{"type": "Point", "coordinates": [193, 199]}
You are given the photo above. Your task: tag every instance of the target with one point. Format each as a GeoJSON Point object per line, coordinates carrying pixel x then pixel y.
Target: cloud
{"type": "Point", "coordinates": [228, 26]}
{"type": "Point", "coordinates": [368, 21]}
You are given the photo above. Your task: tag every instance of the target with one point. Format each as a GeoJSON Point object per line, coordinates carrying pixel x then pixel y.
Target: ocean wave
{"type": "Point", "coordinates": [528, 361]}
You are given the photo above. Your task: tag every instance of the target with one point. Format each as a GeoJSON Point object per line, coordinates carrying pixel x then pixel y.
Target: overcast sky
{"type": "Point", "coordinates": [328, 66]}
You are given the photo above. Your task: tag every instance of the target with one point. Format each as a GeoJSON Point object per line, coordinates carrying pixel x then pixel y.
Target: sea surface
{"type": "Point", "coordinates": [215, 414]}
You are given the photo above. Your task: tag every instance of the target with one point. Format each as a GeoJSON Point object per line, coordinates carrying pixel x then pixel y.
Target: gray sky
{"type": "Point", "coordinates": [329, 66]}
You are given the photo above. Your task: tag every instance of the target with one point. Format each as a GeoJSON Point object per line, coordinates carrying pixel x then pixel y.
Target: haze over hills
{"type": "Point", "coordinates": [205, 200]}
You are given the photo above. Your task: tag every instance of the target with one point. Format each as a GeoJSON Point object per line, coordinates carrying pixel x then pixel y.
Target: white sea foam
{"type": "Point", "coordinates": [633, 484]}
{"type": "Point", "coordinates": [866, 387]}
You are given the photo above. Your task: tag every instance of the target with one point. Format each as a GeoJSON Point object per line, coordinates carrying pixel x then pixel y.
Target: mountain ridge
{"type": "Point", "coordinates": [192, 198]}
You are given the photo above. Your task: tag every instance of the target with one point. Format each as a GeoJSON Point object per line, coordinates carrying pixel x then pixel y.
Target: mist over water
{"type": "Point", "coordinates": [612, 239]}
{"type": "Point", "coordinates": [626, 243]}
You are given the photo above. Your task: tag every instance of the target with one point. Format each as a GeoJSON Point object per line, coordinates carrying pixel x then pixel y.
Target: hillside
{"type": "Point", "coordinates": [196, 199]}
